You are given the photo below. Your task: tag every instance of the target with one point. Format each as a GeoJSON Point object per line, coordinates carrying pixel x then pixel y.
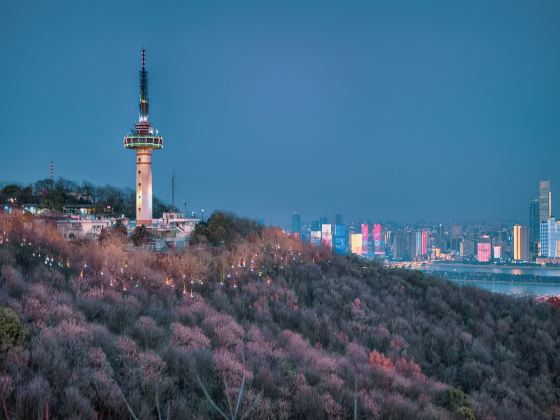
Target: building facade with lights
{"type": "Point", "coordinates": [520, 243]}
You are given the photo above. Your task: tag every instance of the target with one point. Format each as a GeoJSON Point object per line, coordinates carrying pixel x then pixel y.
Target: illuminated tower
{"type": "Point", "coordinates": [144, 139]}
{"type": "Point", "coordinates": [520, 243]}
{"type": "Point", "coordinates": [545, 200]}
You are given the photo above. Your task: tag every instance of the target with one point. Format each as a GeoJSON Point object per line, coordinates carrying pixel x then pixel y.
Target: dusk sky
{"type": "Point", "coordinates": [377, 110]}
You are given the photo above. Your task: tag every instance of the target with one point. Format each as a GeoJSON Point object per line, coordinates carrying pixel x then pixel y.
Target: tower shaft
{"type": "Point", "coordinates": [143, 186]}
{"type": "Point", "coordinates": [144, 139]}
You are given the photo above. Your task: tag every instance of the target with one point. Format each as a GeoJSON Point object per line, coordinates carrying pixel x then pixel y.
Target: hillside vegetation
{"type": "Point", "coordinates": [248, 323]}
{"type": "Point", "coordinates": [55, 194]}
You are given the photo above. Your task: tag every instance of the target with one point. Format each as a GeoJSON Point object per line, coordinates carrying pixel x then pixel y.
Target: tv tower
{"type": "Point", "coordinates": [144, 139]}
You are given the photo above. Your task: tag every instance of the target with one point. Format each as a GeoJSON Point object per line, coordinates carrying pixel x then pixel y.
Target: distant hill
{"type": "Point", "coordinates": [250, 323]}
{"type": "Point", "coordinates": [55, 194]}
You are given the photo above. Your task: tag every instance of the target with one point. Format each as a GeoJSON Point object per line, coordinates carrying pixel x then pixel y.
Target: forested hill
{"type": "Point", "coordinates": [249, 323]}
{"type": "Point", "coordinates": [54, 194]}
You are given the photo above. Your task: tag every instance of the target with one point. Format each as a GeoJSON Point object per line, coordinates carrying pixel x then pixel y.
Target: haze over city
{"type": "Point", "coordinates": [387, 110]}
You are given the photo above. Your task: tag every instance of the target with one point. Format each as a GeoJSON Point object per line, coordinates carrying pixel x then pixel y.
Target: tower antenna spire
{"type": "Point", "coordinates": [143, 139]}
{"type": "Point", "coordinates": [144, 103]}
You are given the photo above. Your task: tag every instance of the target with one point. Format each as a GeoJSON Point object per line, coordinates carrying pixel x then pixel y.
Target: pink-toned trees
{"type": "Point", "coordinates": [192, 338]}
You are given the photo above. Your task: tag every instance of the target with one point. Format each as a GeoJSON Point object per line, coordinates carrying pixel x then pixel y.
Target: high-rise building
{"type": "Point", "coordinates": [326, 235]}
{"type": "Point", "coordinates": [484, 249]}
{"type": "Point", "coordinates": [315, 237]}
{"type": "Point", "coordinates": [296, 224]}
{"type": "Point", "coordinates": [338, 219]}
{"type": "Point", "coordinates": [400, 243]}
{"type": "Point", "coordinates": [424, 242]}
{"type": "Point", "coordinates": [534, 228]}
{"type": "Point", "coordinates": [545, 200]}
{"type": "Point", "coordinates": [144, 139]}
{"type": "Point", "coordinates": [466, 248]}
{"type": "Point", "coordinates": [378, 240]}
{"type": "Point", "coordinates": [550, 237]}
{"type": "Point", "coordinates": [365, 238]}
{"type": "Point", "coordinates": [456, 230]}
{"type": "Point", "coordinates": [497, 252]}
{"type": "Point", "coordinates": [356, 243]}
{"type": "Point", "coordinates": [520, 243]}
{"type": "Point", "coordinates": [340, 239]}
{"type": "Point", "coordinates": [544, 239]}
{"type": "Point", "coordinates": [412, 241]}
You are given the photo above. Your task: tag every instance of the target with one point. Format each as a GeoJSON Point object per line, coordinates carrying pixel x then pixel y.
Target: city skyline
{"type": "Point", "coordinates": [385, 121]}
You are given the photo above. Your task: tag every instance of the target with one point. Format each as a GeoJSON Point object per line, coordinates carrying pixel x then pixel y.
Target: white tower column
{"type": "Point", "coordinates": [143, 187]}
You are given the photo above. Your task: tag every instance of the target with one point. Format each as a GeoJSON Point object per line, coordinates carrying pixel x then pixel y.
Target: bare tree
{"type": "Point", "coordinates": [233, 410]}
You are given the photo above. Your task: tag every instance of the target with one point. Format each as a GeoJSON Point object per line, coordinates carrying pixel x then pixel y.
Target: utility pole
{"type": "Point", "coordinates": [173, 190]}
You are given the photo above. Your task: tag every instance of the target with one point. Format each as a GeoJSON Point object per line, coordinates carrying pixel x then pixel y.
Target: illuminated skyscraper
{"type": "Point", "coordinates": [356, 243]}
{"type": "Point", "coordinates": [550, 236]}
{"type": "Point", "coordinates": [296, 224]}
{"type": "Point", "coordinates": [377, 240]}
{"type": "Point", "coordinates": [365, 238]}
{"type": "Point", "coordinates": [520, 243]}
{"type": "Point", "coordinates": [340, 239]}
{"type": "Point", "coordinates": [326, 235]}
{"type": "Point", "coordinates": [497, 252]}
{"type": "Point", "coordinates": [484, 249]}
{"type": "Point", "coordinates": [400, 243]}
{"type": "Point", "coordinates": [424, 242]}
{"type": "Point", "coordinates": [534, 228]}
{"type": "Point", "coordinates": [144, 139]}
{"type": "Point", "coordinates": [545, 200]}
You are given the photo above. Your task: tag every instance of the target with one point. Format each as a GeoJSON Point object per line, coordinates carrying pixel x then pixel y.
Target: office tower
{"type": "Point", "coordinates": [484, 249]}
{"type": "Point", "coordinates": [326, 235]}
{"type": "Point", "coordinates": [365, 238]}
{"type": "Point", "coordinates": [144, 139]}
{"type": "Point", "coordinates": [315, 233]}
{"type": "Point", "coordinates": [440, 232]}
{"type": "Point", "coordinates": [340, 239]}
{"type": "Point", "coordinates": [296, 224]}
{"type": "Point", "coordinates": [338, 219]}
{"type": "Point", "coordinates": [424, 242]}
{"type": "Point", "coordinates": [378, 240]}
{"type": "Point", "coordinates": [455, 244]}
{"type": "Point", "coordinates": [534, 228]}
{"type": "Point", "coordinates": [412, 242]}
{"type": "Point", "coordinates": [315, 237]}
{"type": "Point", "coordinates": [544, 239]}
{"type": "Point", "coordinates": [456, 230]}
{"type": "Point", "coordinates": [466, 249]}
{"type": "Point", "coordinates": [545, 200]}
{"type": "Point", "coordinates": [520, 243]}
{"type": "Point", "coordinates": [356, 243]}
{"type": "Point", "coordinates": [399, 243]}
{"type": "Point", "coordinates": [497, 252]}
{"type": "Point", "coordinates": [550, 236]}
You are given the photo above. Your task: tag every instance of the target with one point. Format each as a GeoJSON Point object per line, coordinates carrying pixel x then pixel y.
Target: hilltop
{"type": "Point", "coordinates": [55, 194]}
{"type": "Point", "coordinates": [250, 323]}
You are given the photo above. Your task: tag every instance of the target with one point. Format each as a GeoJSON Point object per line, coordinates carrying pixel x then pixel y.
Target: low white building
{"type": "Point", "coordinates": [84, 227]}
{"type": "Point", "coordinates": [175, 228]}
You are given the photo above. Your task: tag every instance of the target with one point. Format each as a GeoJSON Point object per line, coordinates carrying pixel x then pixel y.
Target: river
{"type": "Point", "coordinates": [513, 288]}
{"type": "Point", "coordinates": [506, 283]}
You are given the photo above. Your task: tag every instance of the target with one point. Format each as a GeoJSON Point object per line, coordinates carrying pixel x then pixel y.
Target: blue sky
{"type": "Point", "coordinates": [374, 109]}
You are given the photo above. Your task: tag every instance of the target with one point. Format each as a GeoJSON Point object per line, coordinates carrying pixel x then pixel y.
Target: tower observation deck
{"type": "Point", "coordinates": [144, 139]}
